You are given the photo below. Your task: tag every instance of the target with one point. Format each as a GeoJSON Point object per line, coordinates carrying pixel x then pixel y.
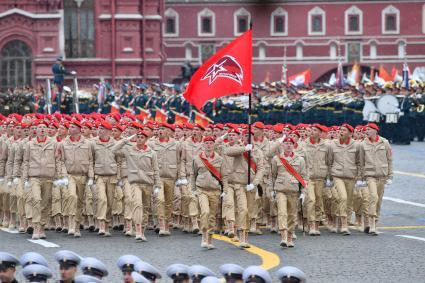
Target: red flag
{"type": "Point", "coordinates": [180, 119]}
{"type": "Point", "coordinates": [201, 119]}
{"type": "Point", "coordinates": [143, 115]}
{"type": "Point", "coordinates": [383, 74]}
{"type": "Point", "coordinates": [303, 78]}
{"type": "Point", "coordinates": [160, 116]}
{"type": "Point", "coordinates": [228, 72]}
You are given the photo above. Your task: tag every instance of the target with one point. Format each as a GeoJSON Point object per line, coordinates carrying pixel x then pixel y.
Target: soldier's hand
{"type": "Point", "coordinates": [90, 182]}
{"type": "Point", "coordinates": [223, 194]}
{"type": "Point", "coordinates": [65, 181]}
{"type": "Point", "coordinates": [1, 179]}
{"type": "Point", "coordinates": [27, 185]}
{"type": "Point", "coordinates": [73, 73]}
{"type": "Point", "coordinates": [250, 187]}
{"type": "Point", "coordinates": [9, 184]}
{"type": "Point", "coordinates": [248, 147]}
{"type": "Point", "coordinates": [156, 191]}
{"type": "Point", "coordinates": [388, 182]}
{"type": "Point", "coordinates": [328, 183]}
{"type": "Point", "coordinates": [184, 182]}
{"type": "Point", "coordinates": [120, 183]}
{"type": "Point", "coordinates": [16, 181]}
{"type": "Point", "coordinates": [302, 197]}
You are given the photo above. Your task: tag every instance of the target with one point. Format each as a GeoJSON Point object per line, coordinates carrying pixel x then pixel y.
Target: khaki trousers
{"type": "Point", "coordinates": [57, 199]}
{"type": "Point", "coordinates": [189, 202]}
{"type": "Point", "coordinates": [147, 204]}
{"type": "Point", "coordinates": [229, 203]}
{"type": "Point", "coordinates": [117, 206]}
{"type": "Point", "coordinates": [177, 201]}
{"type": "Point", "coordinates": [165, 199]}
{"type": "Point", "coordinates": [90, 201]}
{"type": "Point", "coordinates": [376, 188]}
{"type": "Point", "coordinates": [20, 199]}
{"type": "Point", "coordinates": [137, 196]}
{"type": "Point", "coordinates": [286, 210]}
{"type": "Point", "coordinates": [128, 199]}
{"type": "Point", "coordinates": [105, 187]}
{"type": "Point", "coordinates": [361, 201]}
{"type": "Point", "coordinates": [41, 190]}
{"type": "Point", "coordinates": [74, 204]}
{"type": "Point", "coordinates": [5, 197]}
{"type": "Point", "coordinates": [245, 201]}
{"type": "Point", "coordinates": [344, 188]}
{"type": "Point", "coordinates": [314, 200]}
{"type": "Point", "coordinates": [28, 202]}
{"type": "Point", "coordinates": [13, 199]}
{"type": "Point", "coordinates": [208, 202]}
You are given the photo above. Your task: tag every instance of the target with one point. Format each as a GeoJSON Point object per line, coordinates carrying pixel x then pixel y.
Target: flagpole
{"type": "Point", "coordinates": [249, 127]}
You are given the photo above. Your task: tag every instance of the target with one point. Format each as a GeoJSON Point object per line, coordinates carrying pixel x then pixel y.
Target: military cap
{"type": "Point", "coordinates": [210, 279]}
{"type": "Point", "coordinates": [373, 126]}
{"type": "Point", "coordinates": [199, 272]}
{"type": "Point", "coordinates": [290, 272]}
{"type": "Point", "coordinates": [138, 278]}
{"type": "Point", "coordinates": [178, 271]}
{"type": "Point", "coordinates": [147, 270]}
{"type": "Point", "coordinates": [7, 260]}
{"type": "Point", "coordinates": [83, 278]}
{"type": "Point", "coordinates": [59, 58]}
{"type": "Point", "coordinates": [256, 274]}
{"type": "Point", "coordinates": [36, 273]}
{"type": "Point", "coordinates": [67, 258]}
{"type": "Point", "coordinates": [231, 270]}
{"type": "Point", "coordinates": [93, 266]}
{"type": "Point", "coordinates": [127, 262]}
{"type": "Point", "coordinates": [32, 258]}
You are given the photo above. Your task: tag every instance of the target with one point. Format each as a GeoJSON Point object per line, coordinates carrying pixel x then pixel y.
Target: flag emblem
{"type": "Point", "coordinates": [226, 67]}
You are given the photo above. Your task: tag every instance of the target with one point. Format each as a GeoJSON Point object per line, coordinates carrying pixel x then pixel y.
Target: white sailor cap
{"type": "Point", "coordinates": [231, 270]}
{"type": "Point", "coordinates": [138, 278]}
{"type": "Point", "coordinates": [68, 258]}
{"type": "Point", "coordinates": [256, 274]}
{"type": "Point", "coordinates": [93, 266]}
{"type": "Point", "coordinates": [287, 272]}
{"type": "Point", "coordinates": [147, 270]}
{"type": "Point", "coordinates": [36, 273]}
{"type": "Point", "coordinates": [83, 278]}
{"type": "Point", "coordinates": [32, 258]}
{"type": "Point", "coordinates": [178, 270]}
{"type": "Point", "coordinates": [8, 260]}
{"type": "Point", "coordinates": [127, 262]}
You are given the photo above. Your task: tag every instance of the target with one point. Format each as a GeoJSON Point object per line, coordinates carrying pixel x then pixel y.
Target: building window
{"type": "Point", "coordinates": [390, 20]}
{"type": "Point", "coordinates": [241, 21]}
{"type": "Point", "coordinates": [401, 49]}
{"type": "Point", "coordinates": [262, 51]}
{"type": "Point", "coordinates": [279, 22]}
{"type": "Point", "coordinates": [333, 51]}
{"type": "Point", "coordinates": [79, 28]}
{"type": "Point", "coordinates": [353, 21]}
{"type": "Point", "coordinates": [299, 51]}
{"type": "Point", "coordinates": [15, 65]}
{"type": "Point", "coordinates": [372, 51]}
{"type": "Point", "coordinates": [206, 23]}
{"type": "Point", "coordinates": [316, 21]}
{"type": "Point", "coordinates": [171, 27]}
{"type": "Point", "coordinates": [188, 52]}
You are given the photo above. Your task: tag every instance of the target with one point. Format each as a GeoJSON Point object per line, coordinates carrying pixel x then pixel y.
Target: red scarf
{"type": "Point", "coordinates": [313, 142]}
{"type": "Point", "coordinates": [41, 141]}
{"type": "Point", "coordinates": [251, 162]}
{"type": "Point", "coordinates": [292, 171]}
{"type": "Point", "coordinates": [374, 141]}
{"type": "Point", "coordinates": [344, 142]}
{"type": "Point", "coordinates": [102, 140]}
{"type": "Point", "coordinates": [214, 171]}
{"type": "Point", "coordinates": [288, 155]}
{"type": "Point", "coordinates": [144, 148]}
{"type": "Point", "coordinates": [163, 140]}
{"type": "Point", "coordinates": [75, 140]}
{"type": "Point", "coordinates": [193, 139]}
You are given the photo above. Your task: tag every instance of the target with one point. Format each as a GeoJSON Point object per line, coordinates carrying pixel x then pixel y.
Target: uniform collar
{"type": "Point", "coordinates": [39, 140]}
{"type": "Point", "coordinates": [374, 140]}
{"type": "Point", "coordinates": [313, 142]}
{"type": "Point", "coordinates": [104, 140]}
{"type": "Point", "coordinates": [286, 155]}
{"type": "Point", "coordinates": [75, 140]}
{"type": "Point", "coordinates": [344, 142]}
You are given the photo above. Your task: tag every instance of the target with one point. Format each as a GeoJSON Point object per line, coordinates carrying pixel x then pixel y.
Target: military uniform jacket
{"type": "Point", "coordinates": [264, 147]}
{"type": "Point", "coordinates": [105, 161]}
{"type": "Point", "coordinates": [202, 177]}
{"type": "Point", "coordinates": [4, 151]}
{"type": "Point", "coordinates": [76, 157]}
{"type": "Point", "coordinates": [190, 150]}
{"type": "Point", "coordinates": [239, 173]}
{"type": "Point", "coordinates": [40, 159]}
{"type": "Point", "coordinates": [19, 157]}
{"type": "Point", "coordinates": [282, 180]}
{"type": "Point", "coordinates": [12, 148]}
{"type": "Point", "coordinates": [344, 159]}
{"type": "Point", "coordinates": [316, 156]}
{"type": "Point", "coordinates": [169, 158]}
{"type": "Point", "coordinates": [376, 159]}
{"type": "Point", "coordinates": [227, 162]}
{"type": "Point", "coordinates": [142, 164]}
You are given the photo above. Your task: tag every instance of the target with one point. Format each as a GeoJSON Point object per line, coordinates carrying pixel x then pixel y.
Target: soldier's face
{"type": "Point", "coordinates": [257, 132]}
{"type": "Point", "coordinates": [104, 133]}
{"type": "Point", "coordinates": [41, 130]}
{"type": "Point", "coordinates": [178, 133]}
{"type": "Point", "coordinates": [217, 132]}
{"type": "Point", "coordinates": [141, 139]}
{"type": "Point", "coordinates": [127, 277]}
{"type": "Point", "coordinates": [116, 133]}
{"type": "Point", "coordinates": [52, 131]}
{"type": "Point", "coordinates": [288, 146]}
{"type": "Point", "coordinates": [111, 120]}
{"type": "Point", "coordinates": [370, 133]}
{"type": "Point", "coordinates": [62, 131]}
{"type": "Point", "coordinates": [162, 132]}
{"type": "Point", "coordinates": [232, 137]}
{"type": "Point", "coordinates": [209, 146]}
{"type": "Point", "coordinates": [315, 132]}
{"type": "Point", "coordinates": [67, 273]}
{"type": "Point", "coordinates": [344, 133]}
{"type": "Point", "coordinates": [294, 137]}
{"type": "Point", "coordinates": [132, 131]}
{"type": "Point", "coordinates": [74, 130]}
{"type": "Point", "coordinates": [7, 274]}
{"type": "Point", "coordinates": [196, 132]}
{"type": "Point", "coordinates": [208, 132]}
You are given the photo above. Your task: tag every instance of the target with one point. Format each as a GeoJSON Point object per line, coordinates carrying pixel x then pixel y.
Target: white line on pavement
{"type": "Point", "coordinates": [411, 237]}
{"type": "Point", "coordinates": [10, 231]}
{"type": "Point", "coordinates": [405, 201]}
{"type": "Point", "coordinates": [44, 243]}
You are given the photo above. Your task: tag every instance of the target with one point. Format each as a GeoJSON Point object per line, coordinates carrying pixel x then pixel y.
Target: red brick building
{"type": "Point", "coordinates": [151, 39]}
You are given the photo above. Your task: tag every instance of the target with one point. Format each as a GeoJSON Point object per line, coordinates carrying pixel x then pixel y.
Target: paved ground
{"type": "Point", "coordinates": [397, 255]}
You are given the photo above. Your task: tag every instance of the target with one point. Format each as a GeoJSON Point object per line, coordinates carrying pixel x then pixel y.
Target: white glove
{"type": "Point", "coordinates": [27, 185]}
{"type": "Point", "coordinates": [273, 195]}
{"type": "Point", "coordinates": [359, 184]}
{"type": "Point", "coordinates": [1, 179]}
{"type": "Point", "coordinates": [120, 183]}
{"type": "Point", "coordinates": [90, 182]}
{"type": "Point", "coordinates": [178, 182]}
{"type": "Point", "coordinates": [248, 147]}
{"type": "Point", "coordinates": [9, 184]}
{"type": "Point", "coordinates": [184, 182]}
{"type": "Point", "coordinates": [364, 184]}
{"type": "Point", "coordinates": [302, 197]}
{"type": "Point", "coordinates": [73, 73]}
{"type": "Point", "coordinates": [328, 183]}
{"type": "Point", "coordinates": [65, 181]}
{"type": "Point", "coordinates": [156, 191]}
{"type": "Point", "coordinates": [57, 183]}
{"type": "Point", "coordinates": [250, 187]}
{"type": "Point", "coordinates": [388, 182]}
{"type": "Point", "coordinates": [16, 181]}
{"type": "Point", "coordinates": [223, 194]}
{"type": "Point", "coordinates": [282, 138]}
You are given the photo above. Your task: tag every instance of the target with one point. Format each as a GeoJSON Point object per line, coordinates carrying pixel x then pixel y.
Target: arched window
{"type": "Point", "coordinates": [79, 28]}
{"type": "Point", "coordinates": [353, 21]}
{"type": "Point", "coordinates": [390, 20]}
{"type": "Point", "coordinates": [171, 23]}
{"type": "Point", "coordinates": [15, 65]}
{"type": "Point", "coordinates": [206, 23]}
{"type": "Point", "coordinates": [241, 21]}
{"type": "Point", "coordinates": [279, 22]}
{"type": "Point", "coordinates": [316, 21]}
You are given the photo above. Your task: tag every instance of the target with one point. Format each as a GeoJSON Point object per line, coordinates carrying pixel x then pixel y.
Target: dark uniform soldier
{"type": "Point", "coordinates": [8, 265]}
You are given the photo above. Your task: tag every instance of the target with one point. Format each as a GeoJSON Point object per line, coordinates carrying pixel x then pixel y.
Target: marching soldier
{"type": "Point", "coordinates": [376, 165]}
{"type": "Point", "coordinates": [208, 177]}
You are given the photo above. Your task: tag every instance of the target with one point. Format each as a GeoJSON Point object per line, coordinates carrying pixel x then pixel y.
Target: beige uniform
{"type": "Point", "coordinates": [143, 176]}
{"type": "Point", "coordinates": [343, 160]}
{"type": "Point", "coordinates": [376, 163]}
{"type": "Point", "coordinates": [229, 198]}
{"type": "Point", "coordinates": [263, 203]}
{"type": "Point", "coordinates": [12, 190]}
{"type": "Point", "coordinates": [317, 171]}
{"type": "Point", "coordinates": [77, 160]}
{"type": "Point", "coordinates": [40, 168]}
{"type": "Point", "coordinates": [105, 170]}
{"type": "Point", "coordinates": [238, 180]}
{"type": "Point", "coordinates": [208, 188]}
{"type": "Point", "coordinates": [4, 190]}
{"type": "Point", "coordinates": [286, 187]}
{"type": "Point", "coordinates": [17, 173]}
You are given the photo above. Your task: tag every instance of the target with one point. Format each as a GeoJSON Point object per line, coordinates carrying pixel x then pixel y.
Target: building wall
{"type": "Point", "coordinates": [316, 52]}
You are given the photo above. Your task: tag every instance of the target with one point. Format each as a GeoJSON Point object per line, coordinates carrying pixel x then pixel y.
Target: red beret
{"type": "Point", "coordinates": [199, 126]}
{"type": "Point", "coordinates": [64, 124]}
{"type": "Point", "coordinates": [232, 130]}
{"type": "Point", "coordinates": [119, 127]}
{"type": "Point", "coordinates": [259, 125]}
{"type": "Point", "coordinates": [106, 125]}
{"type": "Point", "coordinates": [56, 125]}
{"type": "Point", "coordinates": [278, 128]}
{"type": "Point", "coordinates": [150, 126]}
{"type": "Point", "coordinates": [169, 126]}
{"type": "Point", "coordinates": [128, 115]}
{"type": "Point", "coordinates": [76, 123]}
{"type": "Point", "coordinates": [245, 132]}
{"type": "Point", "coordinates": [142, 133]}
{"type": "Point", "coordinates": [294, 132]}
{"type": "Point", "coordinates": [301, 126]}
{"type": "Point", "coordinates": [372, 126]}
{"type": "Point", "coordinates": [116, 116]}
{"type": "Point", "coordinates": [348, 126]}
{"type": "Point", "coordinates": [288, 126]}
{"type": "Point", "coordinates": [41, 122]}
{"type": "Point", "coordinates": [288, 139]}
{"type": "Point", "coordinates": [209, 138]}
{"type": "Point", "coordinates": [87, 124]}
{"type": "Point", "coordinates": [220, 126]}
{"type": "Point", "coordinates": [320, 127]}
